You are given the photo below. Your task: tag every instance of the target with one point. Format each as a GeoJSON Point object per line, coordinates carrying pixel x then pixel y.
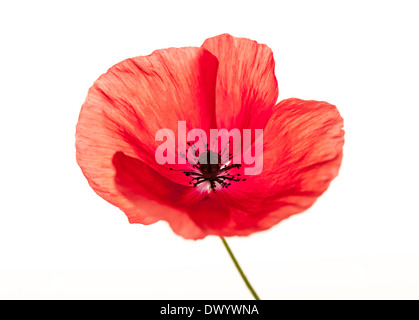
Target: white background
{"type": "Point", "coordinates": [59, 240]}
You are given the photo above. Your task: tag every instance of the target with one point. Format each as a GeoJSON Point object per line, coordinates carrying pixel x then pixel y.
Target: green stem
{"type": "Point", "coordinates": [240, 269]}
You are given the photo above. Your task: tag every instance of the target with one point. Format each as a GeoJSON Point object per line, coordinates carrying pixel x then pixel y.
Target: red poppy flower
{"type": "Point", "coordinates": [226, 83]}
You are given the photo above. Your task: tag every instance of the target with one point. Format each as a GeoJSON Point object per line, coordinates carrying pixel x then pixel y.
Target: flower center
{"type": "Point", "coordinates": [209, 164]}
{"type": "Point", "coordinates": [210, 168]}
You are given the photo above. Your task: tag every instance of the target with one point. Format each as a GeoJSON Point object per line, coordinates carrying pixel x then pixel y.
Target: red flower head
{"type": "Point", "coordinates": [227, 83]}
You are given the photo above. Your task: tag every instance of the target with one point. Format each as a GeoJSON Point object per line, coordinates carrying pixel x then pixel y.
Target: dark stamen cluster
{"type": "Point", "coordinates": [210, 168]}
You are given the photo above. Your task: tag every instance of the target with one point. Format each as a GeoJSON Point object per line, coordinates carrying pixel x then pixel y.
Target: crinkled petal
{"type": "Point", "coordinates": [127, 106]}
{"type": "Point", "coordinates": [302, 153]}
{"type": "Point", "coordinates": [190, 213]}
{"type": "Point", "coordinates": [155, 197]}
{"type": "Point", "coordinates": [247, 88]}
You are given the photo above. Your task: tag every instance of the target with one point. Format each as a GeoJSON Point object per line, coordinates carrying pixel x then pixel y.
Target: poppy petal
{"type": "Point", "coordinates": [127, 105]}
{"type": "Point", "coordinates": [303, 144]}
{"type": "Point", "coordinates": [155, 197]}
{"type": "Point", "coordinates": [247, 88]}
{"type": "Point", "coordinates": [190, 213]}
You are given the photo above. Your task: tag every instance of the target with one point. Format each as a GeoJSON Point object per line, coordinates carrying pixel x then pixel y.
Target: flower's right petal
{"type": "Point", "coordinates": [302, 153]}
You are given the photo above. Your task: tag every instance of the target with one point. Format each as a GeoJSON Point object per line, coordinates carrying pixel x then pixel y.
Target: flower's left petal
{"type": "Point", "coordinates": [127, 106]}
{"type": "Point", "coordinates": [153, 197]}
{"type": "Point", "coordinates": [190, 213]}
